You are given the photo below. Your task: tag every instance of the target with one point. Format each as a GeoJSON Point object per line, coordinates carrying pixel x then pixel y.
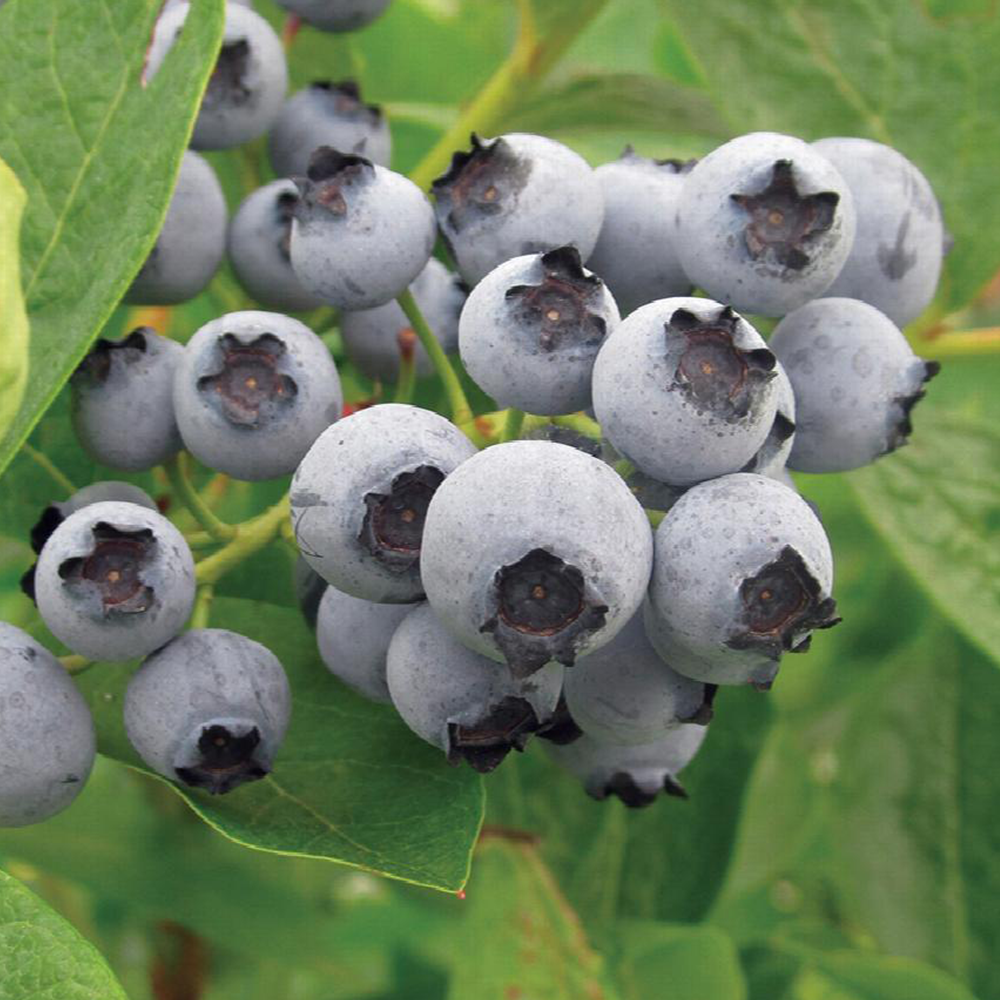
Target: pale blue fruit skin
{"type": "Point", "coordinates": [205, 676]}
{"type": "Point", "coordinates": [510, 365]}
{"type": "Point", "coordinates": [227, 124]}
{"type": "Point", "coordinates": [371, 335]}
{"type": "Point", "coordinates": [895, 262]}
{"type": "Point", "coordinates": [710, 236]}
{"type": "Point", "coordinates": [718, 534]}
{"type": "Point", "coordinates": [276, 446]}
{"type": "Point", "coordinates": [80, 622]}
{"type": "Point", "coordinates": [663, 432]}
{"type": "Point", "coordinates": [191, 243]}
{"type": "Point", "coordinates": [374, 251]}
{"type": "Point", "coordinates": [772, 456]}
{"type": "Point", "coordinates": [434, 680]}
{"type": "Point", "coordinates": [635, 253]}
{"type": "Point", "coordinates": [648, 765]}
{"type": "Point", "coordinates": [362, 454]}
{"type": "Point", "coordinates": [310, 118]}
{"type": "Point", "coordinates": [560, 205]}
{"type": "Point", "coordinates": [109, 489]}
{"type": "Point", "coordinates": [353, 637]}
{"type": "Point", "coordinates": [524, 495]}
{"type": "Point", "coordinates": [254, 244]}
{"type": "Point", "coordinates": [47, 741]}
{"type": "Point", "coordinates": [625, 694]}
{"type": "Point", "coordinates": [127, 421]}
{"type": "Point", "coordinates": [851, 369]}
{"type": "Point", "coordinates": [336, 15]}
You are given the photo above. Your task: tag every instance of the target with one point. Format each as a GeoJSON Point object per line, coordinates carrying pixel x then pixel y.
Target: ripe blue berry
{"type": "Point", "coordinates": [684, 389]}
{"type": "Point", "coordinates": [531, 329]}
{"type": "Point", "coordinates": [359, 498]}
{"type": "Point", "coordinates": [764, 223]}
{"type": "Point", "coordinates": [122, 398]}
{"type": "Point", "coordinates": [191, 243]}
{"type": "Point", "coordinates": [209, 709]}
{"type": "Point", "coordinates": [252, 392]}
{"type": "Point", "coordinates": [856, 380]}
{"type": "Point", "coordinates": [742, 573]}
{"type": "Point", "coordinates": [361, 233]}
{"type": "Point", "coordinates": [635, 254]}
{"type": "Point", "coordinates": [466, 705]}
{"type": "Point", "coordinates": [514, 195]}
{"type": "Point", "coordinates": [248, 84]}
{"type": "Point", "coordinates": [895, 261]}
{"type": "Point", "coordinates": [115, 581]}
{"type": "Point", "coordinates": [533, 552]}
{"type": "Point", "coordinates": [336, 15]}
{"type": "Point", "coordinates": [371, 336]}
{"type": "Point", "coordinates": [327, 114]}
{"type": "Point", "coordinates": [47, 743]}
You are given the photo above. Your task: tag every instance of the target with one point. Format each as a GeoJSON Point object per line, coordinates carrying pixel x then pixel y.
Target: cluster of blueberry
{"type": "Point", "coordinates": [520, 589]}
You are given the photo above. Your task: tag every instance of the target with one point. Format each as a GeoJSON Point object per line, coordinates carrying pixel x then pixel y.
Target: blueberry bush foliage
{"type": "Point", "coordinates": [840, 841]}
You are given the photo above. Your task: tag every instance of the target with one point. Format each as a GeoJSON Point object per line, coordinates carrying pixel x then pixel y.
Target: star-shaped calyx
{"type": "Point", "coordinates": [393, 526]}
{"type": "Point", "coordinates": [624, 787]}
{"type": "Point", "coordinates": [782, 220]}
{"type": "Point", "coordinates": [715, 373]}
{"type": "Point", "coordinates": [113, 570]}
{"type": "Point", "coordinates": [483, 745]}
{"type": "Point", "coordinates": [900, 433]}
{"type": "Point", "coordinates": [486, 180]}
{"type": "Point", "coordinates": [781, 605]}
{"type": "Point", "coordinates": [331, 181]}
{"type": "Point", "coordinates": [559, 310]}
{"type": "Point", "coordinates": [543, 610]}
{"type": "Point", "coordinates": [225, 760]}
{"type": "Point", "coordinates": [284, 212]}
{"type": "Point", "coordinates": [103, 356]}
{"type": "Point", "coordinates": [249, 386]}
{"type": "Point", "coordinates": [345, 99]}
{"type": "Point", "coordinates": [228, 83]}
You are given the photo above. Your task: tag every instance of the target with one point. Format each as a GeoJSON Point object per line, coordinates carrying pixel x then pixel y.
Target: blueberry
{"type": "Point", "coordinates": [309, 589]}
{"type": "Point", "coordinates": [466, 705]}
{"type": "Point", "coordinates": [772, 456]}
{"type": "Point", "coordinates": [248, 84]}
{"type": "Point", "coordinates": [252, 392]}
{"type": "Point", "coordinates": [122, 401]}
{"type": "Point", "coordinates": [684, 389]}
{"type": "Point", "coordinates": [360, 496]}
{"type": "Point", "coordinates": [47, 742]}
{"type": "Point", "coordinates": [336, 15]}
{"type": "Point", "coordinates": [353, 637]}
{"type": "Point", "coordinates": [855, 380]}
{"type": "Point", "coordinates": [115, 581]}
{"type": "Point", "coordinates": [327, 114]}
{"type": "Point", "coordinates": [371, 336]}
{"type": "Point", "coordinates": [895, 261]}
{"type": "Point", "coordinates": [361, 233]}
{"type": "Point", "coordinates": [534, 551]}
{"type": "Point", "coordinates": [742, 573]}
{"type": "Point", "coordinates": [764, 223]}
{"type": "Point", "coordinates": [514, 195]}
{"type": "Point", "coordinates": [531, 329]}
{"type": "Point", "coordinates": [635, 253]}
{"type": "Point", "coordinates": [259, 241]}
{"type": "Point", "coordinates": [625, 694]}
{"type": "Point", "coordinates": [209, 709]}
{"type": "Point", "coordinates": [634, 774]}
{"type": "Point", "coordinates": [191, 244]}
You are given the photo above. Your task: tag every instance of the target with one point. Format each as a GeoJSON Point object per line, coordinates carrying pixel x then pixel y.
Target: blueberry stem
{"type": "Point", "coordinates": [964, 343]}
{"type": "Point", "coordinates": [183, 489]}
{"type": "Point", "coordinates": [75, 664]}
{"type": "Point", "coordinates": [461, 412]}
{"type": "Point", "coordinates": [202, 606]}
{"type": "Point", "coordinates": [407, 367]}
{"type": "Point", "coordinates": [512, 425]}
{"type": "Point", "coordinates": [580, 423]}
{"type": "Point", "coordinates": [49, 466]}
{"type": "Point", "coordinates": [251, 537]}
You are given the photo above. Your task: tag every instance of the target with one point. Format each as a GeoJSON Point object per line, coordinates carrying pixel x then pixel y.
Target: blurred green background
{"type": "Point", "coordinates": [841, 840]}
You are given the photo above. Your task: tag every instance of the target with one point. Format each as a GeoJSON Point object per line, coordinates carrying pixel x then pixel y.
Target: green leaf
{"type": "Point", "coordinates": [42, 956]}
{"type": "Point", "coordinates": [937, 504]}
{"type": "Point", "coordinates": [13, 321]}
{"type": "Point", "coordinates": [351, 783]}
{"type": "Point", "coordinates": [922, 80]}
{"type": "Point", "coordinates": [98, 177]}
{"type": "Point", "coordinates": [677, 963]}
{"type": "Point", "coordinates": [535, 946]}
